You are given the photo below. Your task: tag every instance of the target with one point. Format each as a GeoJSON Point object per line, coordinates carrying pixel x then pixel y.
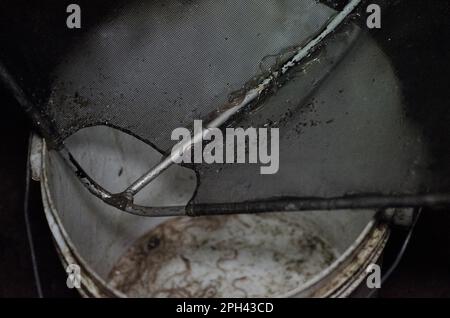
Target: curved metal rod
{"type": "Point", "coordinates": [121, 201]}
{"type": "Point", "coordinates": [124, 202]}
{"type": "Point", "coordinates": [251, 96]}
{"type": "Point", "coordinates": [366, 201]}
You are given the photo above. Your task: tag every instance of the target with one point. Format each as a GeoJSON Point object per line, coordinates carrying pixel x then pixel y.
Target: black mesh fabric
{"type": "Point", "coordinates": [345, 127]}
{"type": "Point", "coordinates": [343, 130]}
{"type": "Point", "coordinates": [161, 64]}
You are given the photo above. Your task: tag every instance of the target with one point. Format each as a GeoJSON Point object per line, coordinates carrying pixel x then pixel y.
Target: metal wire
{"type": "Point", "coordinates": [34, 261]}
{"type": "Point", "coordinates": [400, 254]}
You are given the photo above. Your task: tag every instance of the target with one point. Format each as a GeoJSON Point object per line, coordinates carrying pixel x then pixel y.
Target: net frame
{"type": "Point", "coordinates": [125, 199]}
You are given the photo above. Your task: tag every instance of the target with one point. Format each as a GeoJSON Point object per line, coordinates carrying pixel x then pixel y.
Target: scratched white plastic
{"type": "Point", "coordinates": [101, 235]}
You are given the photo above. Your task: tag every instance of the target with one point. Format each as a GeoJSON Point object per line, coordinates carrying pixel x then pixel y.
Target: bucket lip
{"type": "Point", "coordinates": [374, 256]}
{"type": "Point", "coordinates": [70, 253]}
{"type": "Point", "coordinates": [64, 243]}
{"type": "Point", "coordinates": [308, 287]}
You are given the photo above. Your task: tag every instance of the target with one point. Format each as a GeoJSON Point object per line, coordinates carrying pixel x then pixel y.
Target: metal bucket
{"type": "Point", "coordinates": [98, 238]}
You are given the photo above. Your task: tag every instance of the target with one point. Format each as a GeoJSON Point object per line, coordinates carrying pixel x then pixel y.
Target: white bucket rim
{"type": "Point", "coordinates": [69, 253]}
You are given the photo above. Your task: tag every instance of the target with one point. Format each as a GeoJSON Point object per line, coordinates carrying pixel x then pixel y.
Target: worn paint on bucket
{"type": "Point", "coordinates": [96, 236]}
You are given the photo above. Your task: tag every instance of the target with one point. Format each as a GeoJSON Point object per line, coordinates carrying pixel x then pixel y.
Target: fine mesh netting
{"type": "Point", "coordinates": [344, 126]}
{"type": "Point", "coordinates": [161, 64]}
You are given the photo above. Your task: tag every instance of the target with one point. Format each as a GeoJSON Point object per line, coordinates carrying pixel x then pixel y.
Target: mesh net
{"type": "Point", "coordinates": [162, 64]}
{"type": "Point", "coordinates": [345, 124]}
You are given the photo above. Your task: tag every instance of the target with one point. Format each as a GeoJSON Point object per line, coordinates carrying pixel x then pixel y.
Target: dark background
{"type": "Point", "coordinates": [422, 62]}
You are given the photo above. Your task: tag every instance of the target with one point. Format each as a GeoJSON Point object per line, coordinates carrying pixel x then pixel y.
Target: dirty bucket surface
{"type": "Point", "coordinates": [232, 256]}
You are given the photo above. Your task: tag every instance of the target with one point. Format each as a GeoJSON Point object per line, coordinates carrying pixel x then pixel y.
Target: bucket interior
{"type": "Point", "coordinates": [233, 256]}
